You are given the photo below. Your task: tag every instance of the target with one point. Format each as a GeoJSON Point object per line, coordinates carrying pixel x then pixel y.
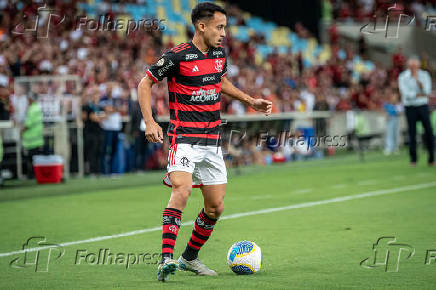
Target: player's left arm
{"type": "Point", "coordinates": [259, 105]}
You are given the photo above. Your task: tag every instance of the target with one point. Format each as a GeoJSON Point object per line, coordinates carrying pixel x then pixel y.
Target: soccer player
{"type": "Point", "coordinates": [196, 76]}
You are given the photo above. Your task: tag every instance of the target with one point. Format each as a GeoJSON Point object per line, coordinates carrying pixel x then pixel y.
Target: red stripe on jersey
{"type": "Point", "coordinates": [202, 67]}
{"type": "Point", "coordinates": [195, 108]}
{"type": "Point", "coordinates": [181, 47]}
{"type": "Point", "coordinates": [174, 87]}
{"type": "Point", "coordinates": [151, 76]}
{"type": "Point", "coordinates": [198, 124]}
{"type": "Point", "coordinates": [209, 136]}
{"type": "Point", "coordinates": [178, 46]}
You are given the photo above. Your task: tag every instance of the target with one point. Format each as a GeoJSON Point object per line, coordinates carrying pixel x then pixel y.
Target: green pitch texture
{"type": "Point", "coordinates": [314, 247]}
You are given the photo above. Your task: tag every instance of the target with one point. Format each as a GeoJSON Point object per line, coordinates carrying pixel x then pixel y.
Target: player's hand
{"type": "Point", "coordinates": [153, 132]}
{"type": "Point", "coordinates": [262, 105]}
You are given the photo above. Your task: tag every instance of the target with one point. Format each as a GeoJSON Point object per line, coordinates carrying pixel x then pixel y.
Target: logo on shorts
{"type": "Point", "coordinates": [184, 161]}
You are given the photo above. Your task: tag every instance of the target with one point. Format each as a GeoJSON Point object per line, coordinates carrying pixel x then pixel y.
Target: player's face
{"type": "Point", "coordinates": [214, 30]}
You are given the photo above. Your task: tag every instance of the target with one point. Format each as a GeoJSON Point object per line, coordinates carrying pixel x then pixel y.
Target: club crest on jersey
{"type": "Point", "coordinates": [219, 65]}
{"type": "Point", "coordinates": [191, 56]}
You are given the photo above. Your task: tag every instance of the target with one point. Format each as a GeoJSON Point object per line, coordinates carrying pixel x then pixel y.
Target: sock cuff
{"type": "Point", "coordinates": [206, 218]}
{"type": "Point", "coordinates": [174, 212]}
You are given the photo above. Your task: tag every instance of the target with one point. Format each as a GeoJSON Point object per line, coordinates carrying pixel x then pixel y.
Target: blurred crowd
{"type": "Point", "coordinates": [110, 65]}
{"type": "Point", "coordinates": [364, 10]}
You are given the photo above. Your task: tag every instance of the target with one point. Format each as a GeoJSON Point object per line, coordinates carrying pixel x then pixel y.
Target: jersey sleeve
{"type": "Point", "coordinates": [165, 67]}
{"type": "Point", "coordinates": [224, 72]}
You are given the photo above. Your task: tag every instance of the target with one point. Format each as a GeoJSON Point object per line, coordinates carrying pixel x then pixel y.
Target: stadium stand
{"type": "Point", "coordinates": [290, 67]}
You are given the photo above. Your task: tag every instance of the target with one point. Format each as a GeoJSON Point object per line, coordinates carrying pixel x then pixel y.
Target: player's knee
{"type": "Point", "coordinates": [215, 210]}
{"type": "Point", "coordinates": [182, 190]}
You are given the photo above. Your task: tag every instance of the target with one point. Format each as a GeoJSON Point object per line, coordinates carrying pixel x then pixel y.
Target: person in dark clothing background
{"type": "Point", "coordinates": [415, 87]}
{"type": "Point", "coordinates": [92, 132]}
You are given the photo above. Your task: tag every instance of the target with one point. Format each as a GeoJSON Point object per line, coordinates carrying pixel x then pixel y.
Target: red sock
{"type": "Point", "coordinates": [203, 228]}
{"type": "Point", "coordinates": [170, 228]}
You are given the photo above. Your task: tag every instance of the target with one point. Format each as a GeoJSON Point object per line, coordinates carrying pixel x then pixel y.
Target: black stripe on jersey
{"type": "Point", "coordinates": [192, 116]}
{"type": "Point", "coordinates": [196, 140]}
{"type": "Point", "coordinates": [186, 100]}
{"type": "Point", "coordinates": [198, 81]}
{"type": "Point", "coordinates": [189, 130]}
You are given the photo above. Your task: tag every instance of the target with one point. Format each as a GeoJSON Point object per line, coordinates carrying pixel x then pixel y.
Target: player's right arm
{"type": "Point", "coordinates": [165, 67]}
{"type": "Point", "coordinates": [153, 132]}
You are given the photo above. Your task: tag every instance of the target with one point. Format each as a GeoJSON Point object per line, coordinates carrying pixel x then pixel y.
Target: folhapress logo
{"type": "Point", "coordinates": [387, 253]}
{"type": "Point", "coordinates": [38, 254]}
{"type": "Point", "coordinates": [204, 95]}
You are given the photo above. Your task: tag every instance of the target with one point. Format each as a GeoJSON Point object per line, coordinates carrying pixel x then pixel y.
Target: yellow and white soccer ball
{"type": "Point", "coordinates": [244, 258]}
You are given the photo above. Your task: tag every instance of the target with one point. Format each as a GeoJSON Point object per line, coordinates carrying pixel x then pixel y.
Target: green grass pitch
{"type": "Point", "coordinates": [327, 216]}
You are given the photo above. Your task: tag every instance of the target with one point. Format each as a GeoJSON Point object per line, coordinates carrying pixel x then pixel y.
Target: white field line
{"type": "Point", "coordinates": [239, 215]}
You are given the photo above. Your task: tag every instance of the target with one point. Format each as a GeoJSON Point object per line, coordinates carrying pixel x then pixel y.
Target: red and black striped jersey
{"type": "Point", "coordinates": [194, 89]}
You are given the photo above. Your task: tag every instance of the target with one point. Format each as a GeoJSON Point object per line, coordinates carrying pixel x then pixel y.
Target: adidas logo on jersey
{"type": "Point", "coordinates": [195, 69]}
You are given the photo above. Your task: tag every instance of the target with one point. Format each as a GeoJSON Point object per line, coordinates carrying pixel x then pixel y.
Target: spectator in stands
{"type": "Point", "coordinates": [19, 103]}
{"type": "Point", "coordinates": [112, 125]}
{"type": "Point", "coordinates": [392, 109]}
{"type": "Point", "coordinates": [415, 87]}
{"type": "Point", "coordinates": [32, 132]}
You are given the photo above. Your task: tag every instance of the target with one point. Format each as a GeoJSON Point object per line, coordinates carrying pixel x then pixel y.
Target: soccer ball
{"type": "Point", "coordinates": [244, 258]}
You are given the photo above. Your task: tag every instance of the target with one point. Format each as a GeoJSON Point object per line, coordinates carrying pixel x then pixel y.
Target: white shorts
{"type": "Point", "coordinates": [204, 162]}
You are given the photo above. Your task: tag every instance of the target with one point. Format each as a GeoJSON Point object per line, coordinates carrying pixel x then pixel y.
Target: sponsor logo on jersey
{"type": "Point", "coordinates": [161, 71]}
{"type": "Point", "coordinates": [204, 96]}
{"type": "Point", "coordinates": [219, 65]}
{"type": "Point", "coordinates": [191, 56]}
{"type": "Point", "coordinates": [195, 69]}
{"type": "Point", "coordinates": [217, 53]}
{"type": "Point", "coordinates": [208, 79]}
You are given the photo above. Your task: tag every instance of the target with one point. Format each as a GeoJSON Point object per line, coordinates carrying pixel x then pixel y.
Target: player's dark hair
{"type": "Point", "coordinates": [205, 10]}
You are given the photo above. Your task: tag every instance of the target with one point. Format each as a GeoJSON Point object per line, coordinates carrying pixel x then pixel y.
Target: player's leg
{"type": "Point", "coordinates": [180, 169]}
{"type": "Point", "coordinates": [213, 175]}
{"type": "Point", "coordinates": [203, 227]}
{"type": "Point", "coordinates": [181, 189]}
